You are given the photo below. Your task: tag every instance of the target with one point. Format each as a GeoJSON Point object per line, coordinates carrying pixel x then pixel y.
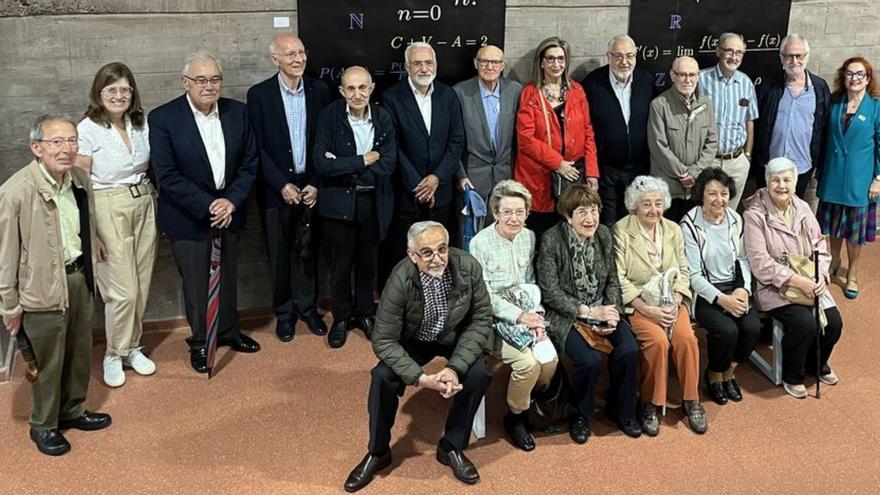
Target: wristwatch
{"type": "Point", "coordinates": [877, 178]}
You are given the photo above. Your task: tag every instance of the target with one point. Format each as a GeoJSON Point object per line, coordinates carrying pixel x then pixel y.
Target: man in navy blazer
{"type": "Point", "coordinates": [619, 95]}
{"type": "Point", "coordinates": [430, 141]}
{"type": "Point", "coordinates": [284, 111]}
{"type": "Point", "coordinates": [205, 157]}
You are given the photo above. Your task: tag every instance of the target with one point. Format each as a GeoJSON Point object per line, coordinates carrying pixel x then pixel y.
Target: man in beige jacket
{"type": "Point", "coordinates": [46, 279]}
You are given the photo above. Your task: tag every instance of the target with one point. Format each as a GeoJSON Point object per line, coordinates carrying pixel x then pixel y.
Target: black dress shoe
{"type": "Point", "coordinates": [631, 427]}
{"type": "Point", "coordinates": [285, 330]}
{"type": "Point", "coordinates": [365, 323]}
{"type": "Point", "coordinates": [315, 323]}
{"type": "Point", "coordinates": [517, 431]}
{"type": "Point", "coordinates": [198, 359]}
{"type": "Point", "coordinates": [241, 343]}
{"type": "Point", "coordinates": [50, 442]}
{"type": "Point", "coordinates": [462, 467]}
{"type": "Point", "coordinates": [715, 391]}
{"type": "Point", "coordinates": [338, 334]}
{"type": "Point", "coordinates": [579, 429]}
{"type": "Point", "coordinates": [89, 421]}
{"type": "Point", "coordinates": [363, 473]}
{"type": "Point", "coordinates": [731, 388]}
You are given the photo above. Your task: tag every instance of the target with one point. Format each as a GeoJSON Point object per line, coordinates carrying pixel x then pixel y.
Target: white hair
{"type": "Point", "coordinates": [620, 38]}
{"type": "Point", "coordinates": [778, 166]}
{"type": "Point", "coordinates": [794, 37]}
{"type": "Point", "coordinates": [419, 228]}
{"type": "Point", "coordinates": [644, 184]}
{"type": "Point", "coordinates": [418, 44]}
{"type": "Point", "coordinates": [726, 36]}
{"type": "Point", "coordinates": [200, 56]}
{"type": "Point", "coordinates": [35, 133]}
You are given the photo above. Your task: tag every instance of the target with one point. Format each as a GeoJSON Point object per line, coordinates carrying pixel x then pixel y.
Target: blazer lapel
{"type": "Point", "coordinates": [227, 125]}
{"type": "Point", "coordinates": [276, 111]}
{"type": "Point", "coordinates": [186, 116]}
{"type": "Point", "coordinates": [409, 100]}
{"type": "Point", "coordinates": [477, 102]}
{"type": "Point", "coordinates": [638, 242]}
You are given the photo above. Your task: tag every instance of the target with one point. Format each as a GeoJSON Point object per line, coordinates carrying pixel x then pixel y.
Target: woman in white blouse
{"type": "Point", "coordinates": [114, 148]}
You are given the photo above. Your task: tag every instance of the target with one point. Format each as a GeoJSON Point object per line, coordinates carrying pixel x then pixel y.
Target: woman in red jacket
{"type": "Point", "coordinates": [554, 133]}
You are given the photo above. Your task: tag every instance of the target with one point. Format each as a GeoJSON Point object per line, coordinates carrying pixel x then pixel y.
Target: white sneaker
{"type": "Point", "coordinates": [142, 365]}
{"type": "Point", "coordinates": [829, 378]}
{"type": "Point", "coordinates": [113, 375]}
{"type": "Point", "coordinates": [796, 391]}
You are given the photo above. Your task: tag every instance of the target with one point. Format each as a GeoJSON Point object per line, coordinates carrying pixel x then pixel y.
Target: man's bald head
{"type": "Point", "coordinates": [357, 86]}
{"type": "Point", "coordinates": [489, 63]}
{"type": "Point", "coordinates": [685, 74]}
{"type": "Point", "coordinates": [289, 55]}
{"type": "Point", "coordinates": [356, 71]}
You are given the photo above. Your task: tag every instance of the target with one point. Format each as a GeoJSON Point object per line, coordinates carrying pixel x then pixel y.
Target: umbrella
{"type": "Point", "coordinates": [213, 314]}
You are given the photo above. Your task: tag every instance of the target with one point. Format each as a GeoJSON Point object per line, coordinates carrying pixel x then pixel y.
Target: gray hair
{"type": "Point", "coordinates": [644, 184]}
{"type": "Point", "coordinates": [200, 56]}
{"type": "Point", "coordinates": [794, 37]}
{"type": "Point", "coordinates": [726, 36]}
{"type": "Point", "coordinates": [418, 44]}
{"type": "Point", "coordinates": [509, 189]}
{"type": "Point", "coordinates": [621, 38]}
{"type": "Point", "coordinates": [35, 133]}
{"type": "Point", "coordinates": [419, 228]}
{"type": "Point", "coordinates": [778, 166]}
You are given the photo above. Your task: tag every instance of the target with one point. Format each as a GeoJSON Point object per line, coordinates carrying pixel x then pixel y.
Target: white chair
{"type": "Point", "coordinates": [773, 371]}
{"type": "Point", "coordinates": [479, 427]}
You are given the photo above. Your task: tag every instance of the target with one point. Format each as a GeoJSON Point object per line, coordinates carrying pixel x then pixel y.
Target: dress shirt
{"type": "Point", "coordinates": [492, 107]}
{"type": "Point", "coordinates": [623, 92]}
{"type": "Point", "coordinates": [793, 130]}
{"type": "Point", "coordinates": [424, 103]}
{"type": "Point", "coordinates": [436, 293]}
{"type": "Point", "coordinates": [727, 98]}
{"type": "Point", "coordinates": [654, 245]}
{"type": "Point", "coordinates": [68, 214]}
{"type": "Point", "coordinates": [295, 113]}
{"type": "Point", "coordinates": [212, 137]}
{"type": "Point", "coordinates": [113, 164]}
{"type": "Point", "coordinates": [362, 129]}
{"type": "Point", "coordinates": [505, 264]}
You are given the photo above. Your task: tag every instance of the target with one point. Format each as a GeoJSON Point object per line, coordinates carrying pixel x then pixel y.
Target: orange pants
{"type": "Point", "coordinates": [655, 356]}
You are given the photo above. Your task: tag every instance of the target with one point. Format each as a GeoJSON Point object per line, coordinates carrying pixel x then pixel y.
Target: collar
{"type": "Point", "coordinates": [215, 110]}
{"type": "Point", "coordinates": [720, 75]}
{"type": "Point", "coordinates": [807, 80]}
{"type": "Point", "coordinates": [299, 89]}
{"type": "Point", "coordinates": [65, 181]}
{"type": "Point", "coordinates": [485, 92]}
{"type": "Point", "coordinates": [615, 83]}
{"type": "Point", "coordinates": [368, 117]}
{"type": "Point", "coordinates": [416, 92]}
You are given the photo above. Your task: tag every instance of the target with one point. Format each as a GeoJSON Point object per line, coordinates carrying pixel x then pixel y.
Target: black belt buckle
{"type": "Point", "coordinates": [135, 191]}
{"type": "Point", "coordinates": [76, 266]}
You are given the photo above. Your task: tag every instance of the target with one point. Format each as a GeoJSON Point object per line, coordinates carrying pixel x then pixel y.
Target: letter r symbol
{"type": "Point", "coordinates": [674, 21]}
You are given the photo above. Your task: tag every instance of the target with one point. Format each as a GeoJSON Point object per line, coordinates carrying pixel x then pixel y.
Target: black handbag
{"type": "Point", "coordinates": [304, 233]}
{"type": "Point", "coordinates": [552, 405]}
{"type": "Point", "coordinates": [559, 184]}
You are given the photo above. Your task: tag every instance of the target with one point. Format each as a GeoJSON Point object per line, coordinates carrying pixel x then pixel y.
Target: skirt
{"type": "Point", "coordinates": [854, 224]}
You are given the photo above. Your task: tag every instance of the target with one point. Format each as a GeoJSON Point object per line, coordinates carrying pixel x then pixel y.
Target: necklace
{"type": "Point", "coordinates": [853, 104]}
{"type": "Point", "coordinates": [552, 96]}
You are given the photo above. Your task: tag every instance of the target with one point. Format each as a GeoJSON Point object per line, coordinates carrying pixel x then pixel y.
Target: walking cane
{"type": "Point", "coordinates": [819, 329]}
{"type": "Point", "coordinates": [668, 299]}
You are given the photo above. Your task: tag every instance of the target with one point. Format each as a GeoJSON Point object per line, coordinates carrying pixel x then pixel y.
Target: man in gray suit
{"type": "Point", "coordinates": [488, 107]}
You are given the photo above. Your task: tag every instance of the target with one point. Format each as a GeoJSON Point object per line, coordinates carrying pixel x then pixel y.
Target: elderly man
{"type": "Point", "coordinates": [619, 95]}
{"type": "Point", "coordinates": [794, 114]}
{"type": "Point", "coordinates": [284, 111]}
{"type": "Point", "coordinates": [682, 135]}
{"type": "Point", "coordinates": [47, 259]}
{"type": "Point", "coordinates": [205, 157]}
{"type": "Point", "coordinates": [355, 153]}
{"type": "Point", "coordinates": [488, 108]}
{"type": "Point", "coordinates": [434, 304]}
{"type": "Point", "coordinates": [736, 107]}
{"type": "Point", "coordinates": [430, 141]}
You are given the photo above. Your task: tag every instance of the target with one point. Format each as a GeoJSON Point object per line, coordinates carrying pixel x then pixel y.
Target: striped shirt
{"type": "Point", "coordinates": [735, 104]}
{"type": "Point", "coordinates": [295, 112]}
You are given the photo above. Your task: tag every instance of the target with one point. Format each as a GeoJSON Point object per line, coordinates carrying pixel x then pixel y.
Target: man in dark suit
{"type": "Point", "coordinates": [355, 153]}
{"type": "Point", "coordinates": [488, 107]}
{"type": "Point", "coordinates": [284, 112]}
{"type": "Point", "coordinates": [619, 94]}
{"type": "Point", "coordinates": [205, 158]}
{"type": "Point", "coordinates": [430, 141]}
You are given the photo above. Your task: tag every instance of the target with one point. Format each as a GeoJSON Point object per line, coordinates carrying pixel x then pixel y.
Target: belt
{"type": "Point", "coordinates": [730, 156]}
{"type": "Point", "coordinates": [76, 266]}
{"type": "Point", "coordinates": [139, 189]}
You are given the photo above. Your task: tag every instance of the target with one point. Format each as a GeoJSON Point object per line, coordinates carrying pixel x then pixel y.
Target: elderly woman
{"type": "Point", "coordinates": [650, 250]}
{"type": "Point", "coordinates": [849, 184]}
{"type": "Point", "coordinates": [505, 249]}
{"type": "Point", "coordinates": [778, 223]}
{"type": "Point", "coordinates": [721, 281]}
{"type": "Point", "coordinates": [114, 148]}
{"type": "Point", "coordinates": [554, 133]}
{"type": "Point", "coordinates": [578, 279]}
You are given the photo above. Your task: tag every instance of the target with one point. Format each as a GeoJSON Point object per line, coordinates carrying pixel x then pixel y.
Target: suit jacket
{"type": "Point", "coordinates": [485, 165]}
{"type": "Point", "coordinates": [266, 110]}
{"type": "Point", "coordinates": [339, 177]}
{"type": "Point", "coordinates": [619, 146]}
{"type": "Point", "coordinates": [852, 159]}
{"type": "Point", "coordinates": [420, 154]}
{"type": "Point", "coordinates": [186, 182]}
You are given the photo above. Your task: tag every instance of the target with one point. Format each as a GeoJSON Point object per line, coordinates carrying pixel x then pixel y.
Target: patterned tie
{"type": "Point", "coordinates": [213, 320]}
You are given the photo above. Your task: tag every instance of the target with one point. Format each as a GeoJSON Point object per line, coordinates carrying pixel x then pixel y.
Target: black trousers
{"type": "Point", "coordinates": [799, 340]}
{"type": "Point", "coordinates": [386, 388]}
{"type": "Point", "coordinates": [193, 259]}
{"type": "Point", "coordinates": [679, 209]}
{"type": "Point", "coordinates": [729, 339]}
{"type": "Point", "coordinates": [612, 188]}
{"type": "Point", "coordinates": [540, 222]}
{"type": "Point", "coordinates": [294, 284]}
{"type": "Point", "coordinates": [351, 246]}
{"type": "Point", "coordinates": [623, 369]}
{"type": "Point", "coordinates": [394, 246]}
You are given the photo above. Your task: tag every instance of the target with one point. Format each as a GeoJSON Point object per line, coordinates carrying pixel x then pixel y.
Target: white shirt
{"type": "Point", "coordinates": [212, 137]}
{"type": "Point", "coordinates": [362, 130]}
{"type": "Point", "coordinates": [113, 165]}
{"type": "Point", "coordinates": [424, 103]}
{"type": "Point", "coordinates": [623, 93]}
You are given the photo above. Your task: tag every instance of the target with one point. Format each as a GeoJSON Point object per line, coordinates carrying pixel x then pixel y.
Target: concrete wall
{"type": "Point", "coordinates": [51, 50]}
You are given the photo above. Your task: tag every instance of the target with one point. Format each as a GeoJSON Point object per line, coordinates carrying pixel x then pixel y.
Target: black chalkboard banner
{"type": "Point", "coordinates": [666, 29]}
{"type": "Point", "coordinates": [374, 33]}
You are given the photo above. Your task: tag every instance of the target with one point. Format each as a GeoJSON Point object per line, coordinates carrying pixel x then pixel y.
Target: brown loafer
{"type": "Point", "coordinates": [363, 473]}
{"type": "Point", "coordinates": [462, 467]}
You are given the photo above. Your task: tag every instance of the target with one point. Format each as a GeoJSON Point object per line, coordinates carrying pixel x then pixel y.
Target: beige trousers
{"type": "Point", "coordinates": [527, 375]}
{"type": "Point", "coordinates": [738, 170]}
{"type": "Point", "coordinates": [127, 226]}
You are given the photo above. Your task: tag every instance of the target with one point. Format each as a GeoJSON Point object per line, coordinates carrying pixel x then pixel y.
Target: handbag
{"type": "Point", "coordinates": [558, 183]}
{"type": "Point", "coordinates": [801, 265]}
{"type": "Point", "coordinates": [596, 341]}
{"type": "Point", "coordinates": [551, 405]}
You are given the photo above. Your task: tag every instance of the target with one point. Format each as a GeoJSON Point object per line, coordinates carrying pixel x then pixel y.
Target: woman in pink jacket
{"type": "Point", "coordinates": [778, 223]}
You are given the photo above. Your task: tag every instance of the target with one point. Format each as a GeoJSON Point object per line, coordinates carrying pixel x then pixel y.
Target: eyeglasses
{"type": "Point", "coordinates": [487, 63]}
{"type": "Point", "coordinates": [554, 60]}
{"type": "Point", "coordinates": [59, 142]}
{"type": "Point", "coordinates": [585, 210]}
{"type": "Point", "coordinates": [427, 254]}
{"type": "Point", "coordinates": [794, 56]}
{"type": "Point", "coordinates": [120, 91]}
{"type": "Point", "coordinates": [855, 76]}
{"type": "Point", "coordinates": [293, 54]}
{"type": "Point", "coordinates": [734, 52]}
{"type": "Point", "coordinates": [508, 214]}
{"type": "Point", "coordinates": [203, 81]}
{"type": "Point", "coordinates": [686, 75]}
{"type": "Point", "coordinates": [620, 57]}
{"type": "Point", "coordinates": [418, 64]}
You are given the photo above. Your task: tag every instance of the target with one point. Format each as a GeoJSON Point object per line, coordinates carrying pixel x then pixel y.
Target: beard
{"type": "Point", "coordinates": [425, 80]}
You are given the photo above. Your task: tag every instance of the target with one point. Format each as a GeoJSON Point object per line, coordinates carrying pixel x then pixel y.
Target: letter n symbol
{"type": "Point", "coordinates": [356, 20]}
